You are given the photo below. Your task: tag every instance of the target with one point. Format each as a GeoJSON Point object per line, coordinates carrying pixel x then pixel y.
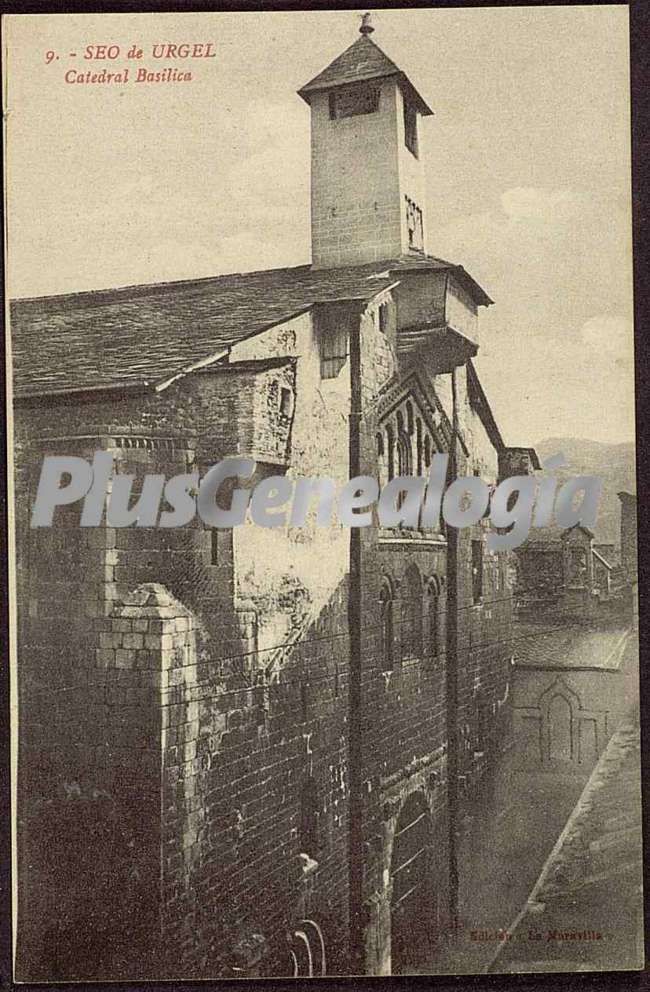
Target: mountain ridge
{"type": "Point", "coordinates": [614, 462]}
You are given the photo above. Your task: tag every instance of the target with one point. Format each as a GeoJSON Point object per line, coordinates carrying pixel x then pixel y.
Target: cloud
{"type": "Point", "coordinates": [548, 206]}
{"type": "Point", "coordinates": [529, 228]}
{"type": "Point", "coordinates": [610, 336]}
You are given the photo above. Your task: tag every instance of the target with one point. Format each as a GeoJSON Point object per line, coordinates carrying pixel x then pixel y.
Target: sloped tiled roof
{"type": "Point", "coordinates": [552, 534]}
{"type": "Point", "coordinates": [568, 645]}
{"type": "Point", "coordinates": [146, 334]}
{"type": "Point", "coordinates": [362, 60]}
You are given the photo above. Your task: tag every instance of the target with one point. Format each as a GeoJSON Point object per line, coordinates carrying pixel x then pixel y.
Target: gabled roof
{"type": "Point", "coordinates": [144, 335]}
{"type": "Point", "coordinates": [425, 397]}
{"type": "Point", "coordinates": [363, 60]}
{"type": "Point", "coordinates": [553, 534]}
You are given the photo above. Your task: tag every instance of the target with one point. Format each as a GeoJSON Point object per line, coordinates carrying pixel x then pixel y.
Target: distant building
{"type": "Point", "coordinates": [628, 534]}
{"type": "Point", "coordinates": [569, 690]}
{"type": "Point", "coordinates": [575, 655]}
{"type": "Point", "coordinates": [562, 569]}
{"type": "Point", "coordinates": [629, 560]}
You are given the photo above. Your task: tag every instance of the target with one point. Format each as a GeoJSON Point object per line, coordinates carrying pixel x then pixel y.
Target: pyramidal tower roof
{"type": "Point", "coordinates": [363, 60]}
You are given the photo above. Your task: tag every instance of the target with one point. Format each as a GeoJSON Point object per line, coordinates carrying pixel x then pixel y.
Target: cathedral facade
{"type": "Point", "coordinates": [250, 751]}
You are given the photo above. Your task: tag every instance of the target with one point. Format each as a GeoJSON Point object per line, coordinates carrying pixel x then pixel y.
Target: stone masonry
{"type": "Point", "coordinates": [250, 751]}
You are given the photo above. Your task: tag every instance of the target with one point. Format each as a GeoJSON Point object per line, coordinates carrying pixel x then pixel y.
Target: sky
{"type": "Point", "coordinates": [527, 161]}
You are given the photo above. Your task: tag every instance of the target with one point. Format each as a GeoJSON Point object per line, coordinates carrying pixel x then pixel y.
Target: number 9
{"type": "Point", "coordinates": [49, 57]}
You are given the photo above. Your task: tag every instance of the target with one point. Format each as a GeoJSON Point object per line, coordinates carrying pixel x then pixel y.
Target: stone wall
{"type": "Point", "coordinates": [206, 673]}
{"type": "Point", "coordinates": [405, 711]}
{"type": "Point", "coordinates": [249, 725]}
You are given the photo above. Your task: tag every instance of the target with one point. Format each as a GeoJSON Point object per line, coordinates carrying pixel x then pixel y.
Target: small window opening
{"type": "Point", "coordinates": [434, 626]}
{"type": "Point", "coordinates": [412, 615]}
{"type": "Point", "coordinates": [390, 447]}
{"type": "Point", "coordinates": [411, 128]}
{"type": "Point", "coordinates": [404, 462]}
{"type": "Point", "coordinates": [383, 317]}
{"type": "Point", "coordinates": [404, 456]}
{"type": "Point", "coordinates": [409, 416]}
{"type": "Point", "coordinates": [386, 626]}
{"type": "Point", "coordinates": [333, 348]}
{"type": "Point", "coordinates": [353, 101]}
{"type": "Point", "coordinates": [286, 401]}
{"type": "Point", "coordinates": [477, 474]}
{"type": "Point", "coordinates": [477, 571]}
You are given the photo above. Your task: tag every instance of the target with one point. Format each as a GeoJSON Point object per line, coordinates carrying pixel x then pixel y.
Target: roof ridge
{"type": "Point", "coordinates": [108, 338]}
{"type": "Point", "coordinates": [152, 286]}
{"type": "Point", "coordinates": [146, 287]}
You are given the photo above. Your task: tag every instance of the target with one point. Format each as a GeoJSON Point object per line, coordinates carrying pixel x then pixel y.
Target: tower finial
{"type": "Point", "coordinates": [366, 26]}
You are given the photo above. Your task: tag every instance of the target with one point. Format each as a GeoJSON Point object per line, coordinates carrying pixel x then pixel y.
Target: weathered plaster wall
{"type": "Point", "coordinates": [237, 749]}
{"type": "Point", "coordinates": [356, 206]}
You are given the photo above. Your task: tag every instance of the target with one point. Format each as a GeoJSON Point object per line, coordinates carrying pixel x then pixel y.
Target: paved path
{"type": "Point", "coordinates": [501, 858]}
{"type": "Point", "coordinates": [585, 911]}
{"type": "Point", "coordinates": [514, 834]}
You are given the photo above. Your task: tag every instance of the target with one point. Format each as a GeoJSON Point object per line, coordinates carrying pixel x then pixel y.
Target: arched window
{"type": "Point", "coordinates": [409, 417]}
{"type": "Point", "coordinates": [386, 625]}
{"type": "Point", "coordinates": [404, 456]}
{"type": "Point", "coordinates": [412, 614]}
{"type": "Point", "coordinates": [427, 451]}
{"type": "Point", "coordinates": [404, 462]}
{"type": "Point", "coordinates": [418, 441]}
{"type": "Point", "coordinates": [390, 451]}
{"type": "Point", "coordinates": [381, 459]}
{"type": "Point", "coordinates": [435, 625]}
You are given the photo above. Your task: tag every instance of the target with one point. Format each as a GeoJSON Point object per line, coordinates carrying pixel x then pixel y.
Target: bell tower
{"type": "Point", "coordinates": [367, 173]}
